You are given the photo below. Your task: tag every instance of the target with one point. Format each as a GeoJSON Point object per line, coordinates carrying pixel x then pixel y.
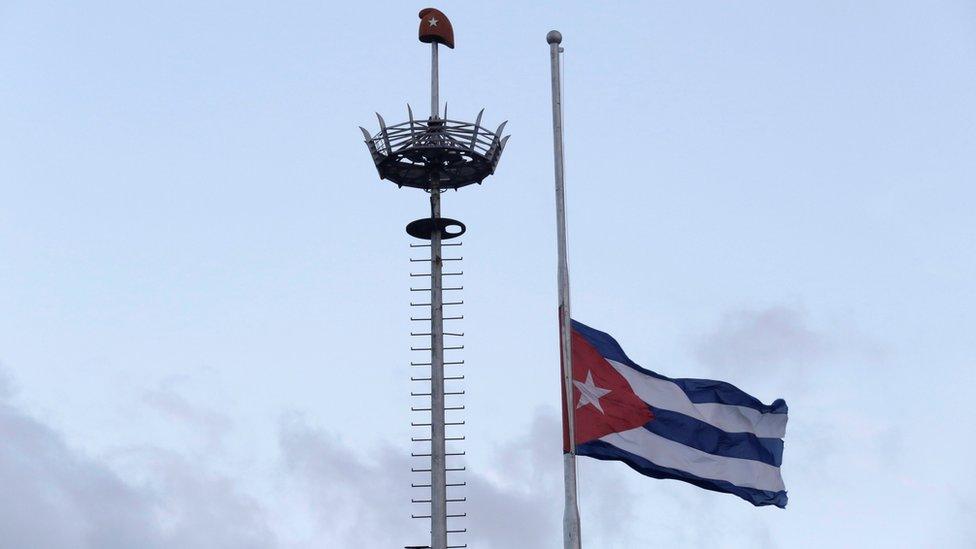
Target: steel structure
{"type": "Point", "coordinates": [437, 154]}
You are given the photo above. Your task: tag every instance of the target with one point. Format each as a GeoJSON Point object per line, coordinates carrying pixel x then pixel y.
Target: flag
{"type": "Point", "coordinates": [707, 433]}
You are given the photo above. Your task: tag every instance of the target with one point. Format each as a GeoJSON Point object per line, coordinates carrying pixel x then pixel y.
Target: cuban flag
{"type": "Point", "coordinates": [708, 433]}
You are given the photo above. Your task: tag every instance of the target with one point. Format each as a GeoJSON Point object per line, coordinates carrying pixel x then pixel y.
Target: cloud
{"type": "Point", "coordinates": [55, 497]}
{"type": "Point", "coordinates": [362, 497]}
{"type": "Point", "coordinates": [212, 425]}
{"type": "Point", "coordinates": [764, 337]}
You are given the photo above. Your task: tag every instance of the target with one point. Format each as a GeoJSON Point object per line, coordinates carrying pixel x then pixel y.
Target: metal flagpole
{"type": "Point", "coordinates": [571, 519]}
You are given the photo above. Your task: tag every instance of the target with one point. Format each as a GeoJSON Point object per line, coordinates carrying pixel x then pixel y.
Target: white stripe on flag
{"type": "Point", "coordinates": [747, 473]}
{"type": "Point", "coordinates": [665, 394]}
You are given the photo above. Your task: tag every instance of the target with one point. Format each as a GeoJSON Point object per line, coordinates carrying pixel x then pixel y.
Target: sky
{"type": "Point", "coordinates": [204, 286]}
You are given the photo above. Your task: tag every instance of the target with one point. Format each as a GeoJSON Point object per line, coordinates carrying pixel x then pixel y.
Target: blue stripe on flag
{"type": "Point", "coordinates": [698, 390]}
{"type": "Point", "coordinates": [707, 438]}
{"type": "Point", "coordinates": [601, 450]}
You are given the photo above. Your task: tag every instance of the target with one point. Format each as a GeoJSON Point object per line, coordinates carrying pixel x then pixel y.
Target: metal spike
{"type": "Point", "coordinates": [477, 126]}
{"type": "Point", "coordinates": [445, 110]}
{"type": "Point", "coordinates": [498, 132]}
{"type": "Point", "coordinates": [366, 134]}
{"type": "Point", "coordinates": [386, 136]}
{"type": "Point", "coordinates": [410, 114]}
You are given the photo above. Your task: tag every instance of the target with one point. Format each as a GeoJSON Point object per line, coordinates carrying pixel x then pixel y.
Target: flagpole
{"type": "Point", "coordinates": [571, 519]}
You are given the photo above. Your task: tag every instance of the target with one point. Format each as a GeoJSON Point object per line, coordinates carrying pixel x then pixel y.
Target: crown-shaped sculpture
{"type": "Point", "coordinates": [451, 152]}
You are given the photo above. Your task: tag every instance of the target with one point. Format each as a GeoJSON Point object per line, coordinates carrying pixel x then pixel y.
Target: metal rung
{"type": "Point", "coordinates": [420, 394]}
{"type": "Point", "coordinates": [422, 348]}
{"type": "Point", "coordinates": [453, 454]}
{"type": "Point", "coordinates": [442, 244]}
{"type": "Point", "coordinates": [421, 305]}
{"type": "Point", "coordinates": [420, 485]}
{"type": "Point", "coordinates": [453, 348]}
{"type": "Point", "coordinates": [446, 424]}
{"type": "Point", "coordinates": [420, 516]}
{"type": "Point", "coordinates": [453, 469]}
{"type": "Point", "coordinates": [419, 501]}
{"type": "Point", "coordinates": [419, 334]}
{"type": "Point", "coordinates": [457, 334]}
{"type": "Point", "coordinates": [451, 378]}
{"type": "Point", "coordinates": [419, 470]}
{"type": "Point", "coordinates": [454, 363]}
{"type": "Point", "coordinates": [421, 379]}
{"type": "Point", "coordinates": [459, 515]}
{"type": "Point", "coordinates": [445, 408]}
{"type": "Point", "coordinates": [455, 484]}
{"type": "Point", "coordinates": [452, 318]}
{"type": "Point", "coordinates": [412, 409]}
{"type": "Point", "coordinates": [415, 439]}
{"type": "Point", "coordinates": [453, 438]}
{"type": "Point", "coordinates": [420, 319]}
{"type": "Point", "coordinates": [451, 393]}
{"type": "Point", "coordinates": [420, 364]}
{"type": "Point", "coordinates": [452, 303]}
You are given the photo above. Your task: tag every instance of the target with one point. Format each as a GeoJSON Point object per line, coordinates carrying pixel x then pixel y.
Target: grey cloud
{"type": "Point", "coordinates": [365, 500]}
{"type": "Point", "coordinates": [761, 337]}
{"type": "Point", "coordinates": [167, 400]}
{"type": "Point", "coordinates": [765, 336]}
{"type": "Point", "coordinates": [55, 497]}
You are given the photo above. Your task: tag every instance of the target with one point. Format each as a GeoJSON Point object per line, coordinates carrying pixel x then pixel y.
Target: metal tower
{"type": "Point", "coordinates": [436, 154]}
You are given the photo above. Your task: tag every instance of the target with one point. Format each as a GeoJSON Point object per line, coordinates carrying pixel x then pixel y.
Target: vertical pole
{"type": "Point", "coordinates": [438, 449]}
{"type": "Point", "coordinates": [438, 465]}
{"type": "Point", "coordinates": [571, 519]}
{"type": "Point", "coordinates": [434, 82]}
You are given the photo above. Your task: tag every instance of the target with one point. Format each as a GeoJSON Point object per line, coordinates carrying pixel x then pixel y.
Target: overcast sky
{"type": "Point", "coordinates": [204, 284]}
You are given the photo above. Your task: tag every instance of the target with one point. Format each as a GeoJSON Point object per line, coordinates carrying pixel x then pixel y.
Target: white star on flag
{"type": "Point", "coordinates": [589, 392]}
{"type": "Point", "coordinates": [432, 21]}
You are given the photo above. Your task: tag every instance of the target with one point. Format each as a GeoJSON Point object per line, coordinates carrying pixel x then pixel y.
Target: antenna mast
{"type": "Point", "coordinates": [435, 155]}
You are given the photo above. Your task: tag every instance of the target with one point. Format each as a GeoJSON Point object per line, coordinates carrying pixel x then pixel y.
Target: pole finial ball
{"type": "Point", "coordinates": [554, 37]}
